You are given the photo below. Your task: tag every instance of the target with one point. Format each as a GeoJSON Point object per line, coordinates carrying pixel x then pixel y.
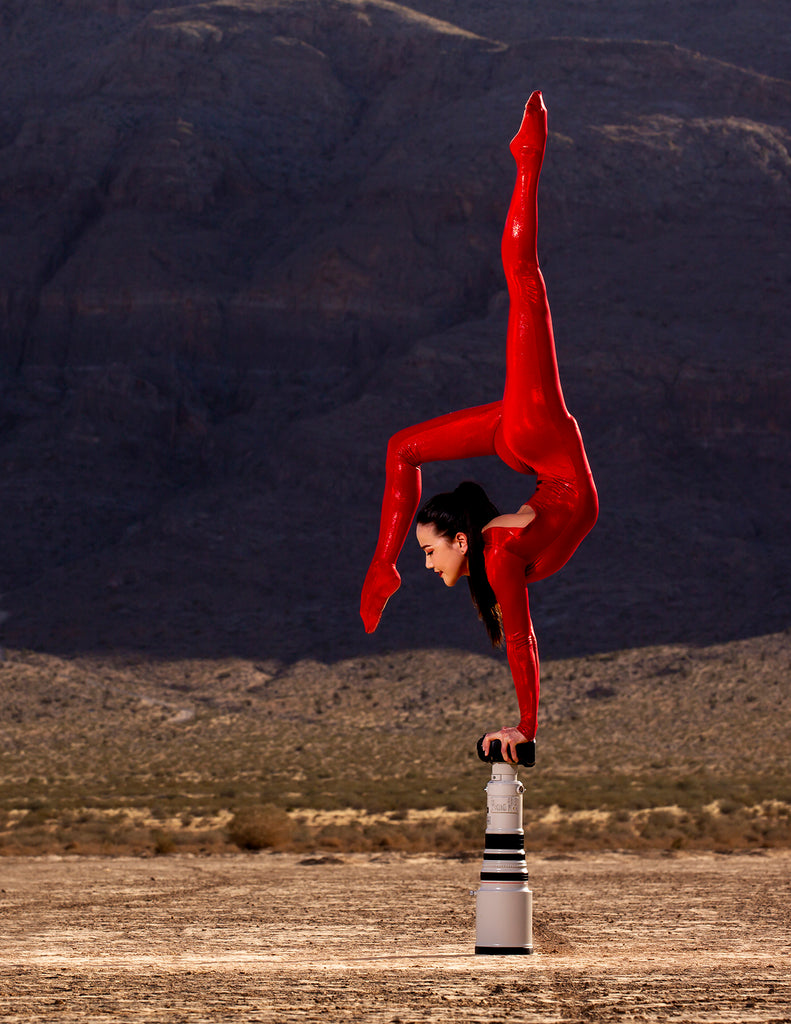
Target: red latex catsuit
{"type": "Point", "coordinates": [530, 430]}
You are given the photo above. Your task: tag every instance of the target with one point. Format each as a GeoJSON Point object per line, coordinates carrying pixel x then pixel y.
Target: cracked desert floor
{"type": "Point", "coordinates": [284, 937]}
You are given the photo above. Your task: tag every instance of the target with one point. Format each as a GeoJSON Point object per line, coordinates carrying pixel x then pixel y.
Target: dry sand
{"type": "Point", "coordinates": [276, 937]}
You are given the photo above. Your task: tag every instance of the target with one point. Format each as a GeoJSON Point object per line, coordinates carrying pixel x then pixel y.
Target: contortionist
{"type": "Point", "coordinates": [530, 430]}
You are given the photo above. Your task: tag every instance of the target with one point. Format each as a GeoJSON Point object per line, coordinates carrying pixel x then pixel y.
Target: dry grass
{"type": "Point", "coordinates": [671, 747]}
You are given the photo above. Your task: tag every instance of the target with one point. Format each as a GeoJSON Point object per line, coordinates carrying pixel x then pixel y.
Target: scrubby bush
{"type": "Point", "coordinates": [260, 828]}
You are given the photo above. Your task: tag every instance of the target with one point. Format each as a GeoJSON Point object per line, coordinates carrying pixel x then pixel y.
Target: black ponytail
{"type": "Point", "coordinates": [467, 510]}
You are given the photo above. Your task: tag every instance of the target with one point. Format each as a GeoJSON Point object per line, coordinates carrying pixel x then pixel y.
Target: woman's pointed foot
{"type": "Point", "coordinates": [381, 582]}
{"type": "Point", "coordinates": [531, 139]}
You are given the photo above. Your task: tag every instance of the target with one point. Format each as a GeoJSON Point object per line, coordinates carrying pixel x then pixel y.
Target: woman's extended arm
{"type": "Point", "coordinates": [506, 573]}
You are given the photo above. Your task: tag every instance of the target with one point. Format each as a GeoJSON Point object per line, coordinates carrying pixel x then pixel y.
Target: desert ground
{"type": "Point", "coordinates": [279, 937]}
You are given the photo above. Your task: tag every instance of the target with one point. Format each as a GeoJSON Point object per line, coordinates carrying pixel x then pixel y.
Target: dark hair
{"type": "Point", "coordinates": [467, 510]}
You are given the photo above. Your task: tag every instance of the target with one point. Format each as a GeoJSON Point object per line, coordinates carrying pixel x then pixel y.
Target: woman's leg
{"type": "Point", "coordinates": [533, 408]}
{"type": "Point", "coordinates": [457, 435]}
{"type": "Point", "coordinates": [537, 427]}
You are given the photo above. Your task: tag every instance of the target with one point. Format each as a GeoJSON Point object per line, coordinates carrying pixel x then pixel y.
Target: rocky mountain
{"type": "Point", "coordinates": [243, 241]}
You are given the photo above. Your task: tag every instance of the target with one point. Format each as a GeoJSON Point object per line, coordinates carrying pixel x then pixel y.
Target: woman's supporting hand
{"type": "Point", "coordinates": [510, 737]}
{"type": "Point", "coordinates": [381, 582]}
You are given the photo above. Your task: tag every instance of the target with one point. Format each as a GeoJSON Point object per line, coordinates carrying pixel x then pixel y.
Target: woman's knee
{"type": "Point", "coordinates": [403, 447]}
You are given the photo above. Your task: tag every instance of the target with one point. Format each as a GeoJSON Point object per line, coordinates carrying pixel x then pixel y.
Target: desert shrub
{"type": "Point", "coordinates": [259, 828]}
{"type": "Point", "coordinates": [38, 813]}
{"type": "Point", "coordinates": [340, 837]}
{"type": "Point", "coordinates": [659, 825]}
{"type": "Point", "coordinates": [164, 842]}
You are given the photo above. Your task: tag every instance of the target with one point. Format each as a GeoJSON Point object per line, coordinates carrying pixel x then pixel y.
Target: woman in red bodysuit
{"type": "Point", "coordinates": [530, 430]}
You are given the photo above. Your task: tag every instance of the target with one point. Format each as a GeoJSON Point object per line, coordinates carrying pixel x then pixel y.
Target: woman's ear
{"type": "Point", "coordinates": [461, 540]}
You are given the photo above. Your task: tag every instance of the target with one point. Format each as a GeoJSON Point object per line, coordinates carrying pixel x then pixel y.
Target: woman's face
{"type": "Point", "coordinates": [444, 555]}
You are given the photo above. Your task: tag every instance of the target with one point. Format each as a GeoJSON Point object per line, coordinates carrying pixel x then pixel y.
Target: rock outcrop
{"type": "Point", "coordinates": [243, 241]}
